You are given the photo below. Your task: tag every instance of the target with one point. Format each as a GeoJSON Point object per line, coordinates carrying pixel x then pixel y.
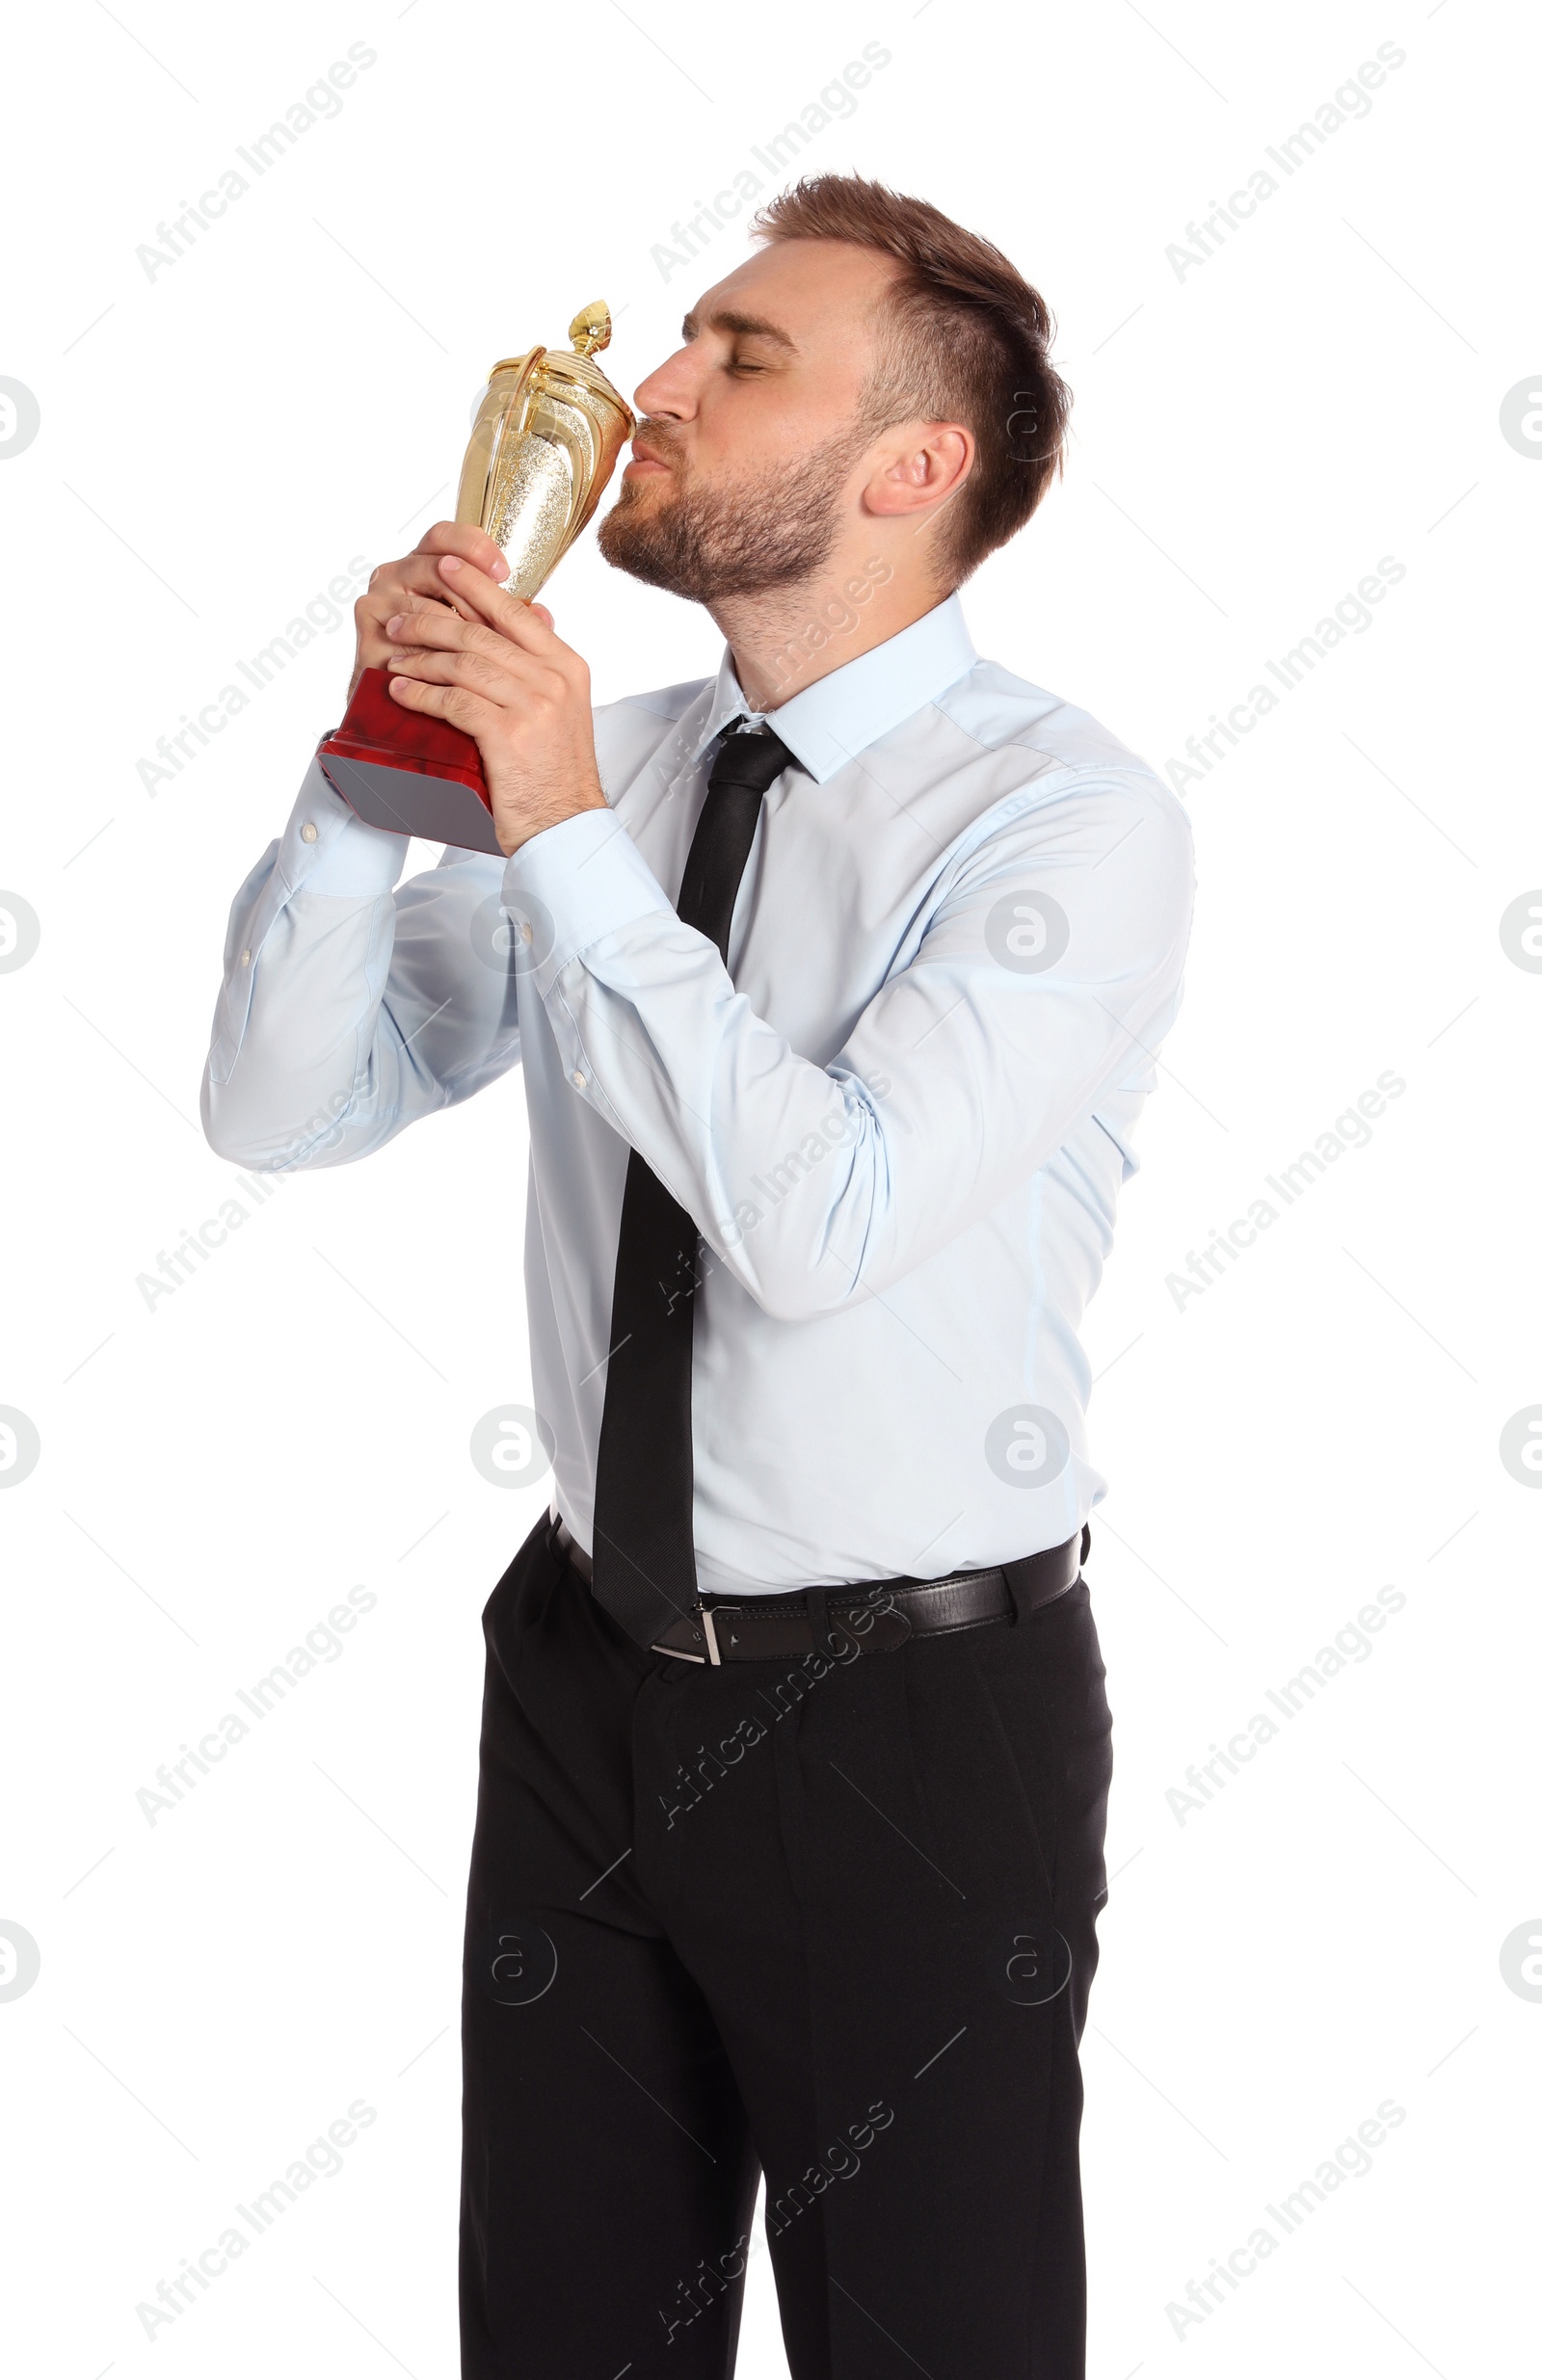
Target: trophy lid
{"type": "Point", "coordinates": [590, 329]}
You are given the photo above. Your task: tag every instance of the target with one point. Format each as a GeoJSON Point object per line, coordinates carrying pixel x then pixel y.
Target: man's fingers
{"type": "Point", "coordinates": [437, 649]}
{"type": "Point", "coordinates": [435, 625]}
{"type": "Point", "coordinates": [473, 544]}
{"type": "Point", "coordinates": [525, 624]}
{"type": "Point", "coordinates": [408, 585]}
{"type": "Point", "coordinates": [458, 704]}
{"type": "Point", "coordinates": [456, 666]}
{"type": "Point", "coordinates": [414, 581]}
{"type": "Point", "coordinates": [416, 574]}
{"type": "Point", "coordinates": [447, 631]}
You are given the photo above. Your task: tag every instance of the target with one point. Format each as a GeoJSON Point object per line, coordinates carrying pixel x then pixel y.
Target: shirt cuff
{"type": "Point", "coordinates": [328, 848]}
{"type": "Point", "coordinates": [574, 883]}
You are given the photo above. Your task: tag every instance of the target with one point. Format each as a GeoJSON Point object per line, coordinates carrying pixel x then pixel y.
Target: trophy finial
{"type": "Point", "coordinates": [590, 329]}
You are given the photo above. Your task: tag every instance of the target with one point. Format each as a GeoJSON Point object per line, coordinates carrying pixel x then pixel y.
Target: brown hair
{"type": "Point", "coordinates": [965, 339]}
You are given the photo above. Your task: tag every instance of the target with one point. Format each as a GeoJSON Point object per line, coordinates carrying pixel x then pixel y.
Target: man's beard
{"type": "Point", "coordinates": [739, 538]}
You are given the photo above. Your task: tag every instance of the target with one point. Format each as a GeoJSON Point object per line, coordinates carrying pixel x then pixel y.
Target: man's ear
{"type": "Point", "coordinates": [918, 467]}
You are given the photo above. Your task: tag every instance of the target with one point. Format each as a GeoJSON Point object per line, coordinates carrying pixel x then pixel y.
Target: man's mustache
{"type": "Point", "coordinates": [660, 442]}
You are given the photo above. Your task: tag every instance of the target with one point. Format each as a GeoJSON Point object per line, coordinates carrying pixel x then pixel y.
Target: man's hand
{"type": "Point", "coordinates": [401, 586]}
{"type": "Point", "coordinates": [494, 666]}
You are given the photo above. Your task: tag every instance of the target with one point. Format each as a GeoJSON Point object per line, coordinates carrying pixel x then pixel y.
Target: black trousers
{"type": "Point", "coordinates": [835, 1920]}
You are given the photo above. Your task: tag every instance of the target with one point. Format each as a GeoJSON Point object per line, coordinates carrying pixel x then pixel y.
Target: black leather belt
{"type": "Point", "coordinates": [875, 1617]}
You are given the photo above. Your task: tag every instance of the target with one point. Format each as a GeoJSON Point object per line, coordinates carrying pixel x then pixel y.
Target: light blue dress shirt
{"type": "Point", "coordinates": [901, 1117]}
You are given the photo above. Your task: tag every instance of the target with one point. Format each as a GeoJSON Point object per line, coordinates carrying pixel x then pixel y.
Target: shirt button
{"type": "Point", "coordinates": [246, 957]}
{"type": "Point", "coordinates": [307, 832]}
{"type": "Point", "coordinates": [580, 1081]}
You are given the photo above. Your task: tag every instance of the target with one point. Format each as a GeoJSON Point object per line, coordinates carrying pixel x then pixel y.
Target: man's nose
{"type": "Point", "coordinates": [670, 392]}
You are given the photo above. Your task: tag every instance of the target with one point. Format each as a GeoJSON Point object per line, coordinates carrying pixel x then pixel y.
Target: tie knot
{"type": "Point", "coordinates": [754, 761]}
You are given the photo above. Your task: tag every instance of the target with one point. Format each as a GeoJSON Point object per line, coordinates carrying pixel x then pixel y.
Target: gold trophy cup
{"type": "Point", "coordinates": [546, 437]}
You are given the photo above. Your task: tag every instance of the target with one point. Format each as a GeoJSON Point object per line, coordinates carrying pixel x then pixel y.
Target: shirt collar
{"type": "Point", "coordinates": [840, 714]}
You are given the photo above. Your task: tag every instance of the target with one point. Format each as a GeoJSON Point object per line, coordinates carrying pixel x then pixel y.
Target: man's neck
{"type": "Point", "coordinates": [788, 637]}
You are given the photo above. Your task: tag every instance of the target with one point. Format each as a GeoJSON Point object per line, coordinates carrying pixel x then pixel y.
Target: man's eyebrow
{"type": "Point", "coordinates": [746, 327]}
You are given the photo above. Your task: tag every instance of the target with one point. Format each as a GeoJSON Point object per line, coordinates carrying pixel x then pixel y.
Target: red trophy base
{"type": "Point", "coordinates": [408, 773]}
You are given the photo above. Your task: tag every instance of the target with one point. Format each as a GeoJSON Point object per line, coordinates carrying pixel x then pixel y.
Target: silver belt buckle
{"type": "Point", "coordinates": [711, 1658]}
{"type": "Point", "coordinates": [710, 1632]}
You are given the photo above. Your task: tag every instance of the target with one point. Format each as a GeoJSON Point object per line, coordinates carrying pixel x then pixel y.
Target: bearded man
{"type": "Point", "coordinates": [838, 982]}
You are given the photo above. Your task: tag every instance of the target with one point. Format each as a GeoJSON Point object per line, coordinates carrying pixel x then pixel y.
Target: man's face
{"type": "Point", "coordinates": [745, 459]}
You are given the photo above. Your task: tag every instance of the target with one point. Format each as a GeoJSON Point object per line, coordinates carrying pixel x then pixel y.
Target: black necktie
{"type": "Point", "coordinates": [644, 1549]}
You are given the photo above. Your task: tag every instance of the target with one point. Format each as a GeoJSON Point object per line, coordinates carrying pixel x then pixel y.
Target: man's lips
{"type": "Point", "coordinates": [644, 463]}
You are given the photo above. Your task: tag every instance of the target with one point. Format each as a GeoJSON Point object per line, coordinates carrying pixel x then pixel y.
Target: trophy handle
{"type": "Point", "coordinates": [517, 420]}
{"type": "Point", "coordinates": [480, 472]}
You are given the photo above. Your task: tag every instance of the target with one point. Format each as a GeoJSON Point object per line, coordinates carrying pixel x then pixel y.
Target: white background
{"type": "Point", "coordinates": [218, 441]}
